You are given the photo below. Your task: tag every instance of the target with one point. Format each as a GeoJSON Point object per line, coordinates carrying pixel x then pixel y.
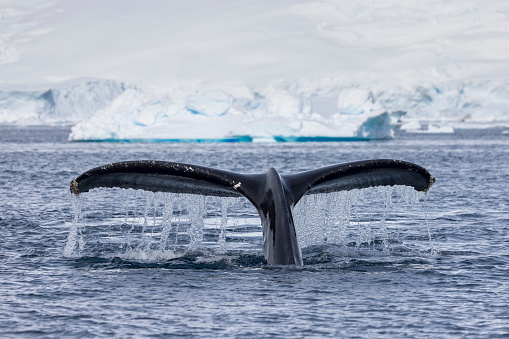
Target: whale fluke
{"type": "Point", "coordinates": [272, 194]}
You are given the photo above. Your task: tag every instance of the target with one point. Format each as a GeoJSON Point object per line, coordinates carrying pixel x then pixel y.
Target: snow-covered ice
{"type": "Point", "coordinates": [271, 113]}
{"type": "Point", "coordinates": [254, 70]}
{"type": "Point", "coordinates": [65, 103]}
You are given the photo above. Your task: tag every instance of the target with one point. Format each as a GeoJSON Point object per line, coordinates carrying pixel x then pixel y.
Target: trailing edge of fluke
{"type": "Point", "coordinates": [272, 194]}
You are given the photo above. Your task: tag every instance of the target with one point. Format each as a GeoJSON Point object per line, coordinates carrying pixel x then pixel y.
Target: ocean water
{"type": "Point", "coordinates": [376, 262]}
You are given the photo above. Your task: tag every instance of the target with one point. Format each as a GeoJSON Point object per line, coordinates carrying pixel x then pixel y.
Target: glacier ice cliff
{"type": "Point", "coordinates": [63, 104]}
{"type": "Point", "coordinates": [298, 110]}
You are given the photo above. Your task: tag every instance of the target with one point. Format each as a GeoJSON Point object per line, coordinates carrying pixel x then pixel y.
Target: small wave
{"type": "Point", "coordinates": [194, 260]}
{"type": "Point", "coordinates": [321, 257]}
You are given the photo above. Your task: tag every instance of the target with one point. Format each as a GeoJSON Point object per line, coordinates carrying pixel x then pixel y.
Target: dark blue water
{"type": "Point", "coordinates": [455, 284]}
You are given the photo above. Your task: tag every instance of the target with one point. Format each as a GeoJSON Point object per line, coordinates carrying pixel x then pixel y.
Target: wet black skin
{"type": "Point", "coordinates": [272, 194]}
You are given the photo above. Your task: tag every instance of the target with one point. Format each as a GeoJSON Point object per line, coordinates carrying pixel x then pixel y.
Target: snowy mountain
{"type": "Point", "coordinates": [253, 70]}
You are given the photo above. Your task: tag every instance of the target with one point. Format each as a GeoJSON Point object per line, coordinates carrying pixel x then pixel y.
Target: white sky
{"type": "Point", "coordinates": [160, 42]}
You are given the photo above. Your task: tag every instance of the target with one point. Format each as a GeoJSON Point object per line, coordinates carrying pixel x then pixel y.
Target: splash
{"type": "Point", "coordinates": [364, 218]}
{"type": "Point", "coordinates": [75, 237]}
{"type": "Point", "coordinates": [224, 221]}
{"type": "Point", "coordinates": [138, 224]}
{"type": "Point", "coordinates": [141, 225]}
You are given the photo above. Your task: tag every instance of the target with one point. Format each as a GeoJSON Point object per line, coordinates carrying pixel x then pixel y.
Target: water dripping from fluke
{"type": "Point", "coordinates": [178, 210]}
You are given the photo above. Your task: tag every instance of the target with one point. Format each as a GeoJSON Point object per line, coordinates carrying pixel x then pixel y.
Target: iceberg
{"type": "Point", "coordinates": [211, 104]}
{"type": "Point", "coordinates": [274, 113]}
{"type": "Point", "coordinates": [248, 71]}
{"type": "Point", "coordinates": [296, 111]}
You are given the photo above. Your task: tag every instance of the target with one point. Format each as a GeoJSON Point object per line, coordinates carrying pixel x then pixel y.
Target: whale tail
{"type": "Point", "coordinates": [272, 194]}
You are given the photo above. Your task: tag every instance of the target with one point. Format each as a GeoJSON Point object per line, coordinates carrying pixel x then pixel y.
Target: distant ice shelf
{"type": "Point", "coordinates": [66, 103]}
{"type": "Point", "coordinates": [285, 111]}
